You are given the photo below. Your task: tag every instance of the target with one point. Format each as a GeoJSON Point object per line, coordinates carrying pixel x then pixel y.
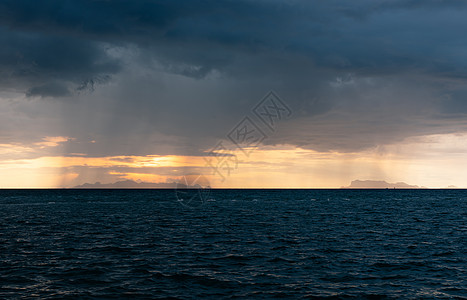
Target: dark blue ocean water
{"type": "Point", "coordinates": [235, 244]}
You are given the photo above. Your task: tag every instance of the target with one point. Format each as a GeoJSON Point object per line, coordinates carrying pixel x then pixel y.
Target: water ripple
{"type": "Point", "coordinates": [309, 244]}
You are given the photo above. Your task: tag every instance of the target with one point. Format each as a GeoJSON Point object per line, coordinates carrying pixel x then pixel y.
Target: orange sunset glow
{"type": "Point", "coordinates": [264, 167]}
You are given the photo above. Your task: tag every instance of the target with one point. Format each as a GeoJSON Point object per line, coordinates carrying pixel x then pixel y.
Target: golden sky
{"type": "Point", "coordinates": [432, 161]}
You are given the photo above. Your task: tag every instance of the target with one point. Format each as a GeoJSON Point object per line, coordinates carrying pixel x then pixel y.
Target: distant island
{"type": "Point", "coordinates": [130, 184]}
{"type": "Point", "coordinates": [380, 184]}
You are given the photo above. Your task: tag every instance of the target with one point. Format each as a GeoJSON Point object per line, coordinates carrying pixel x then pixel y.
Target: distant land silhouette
{"type": "Point", "coordinates": [380, 184]}
{"type": "Point", "coordinates": [130, 184]}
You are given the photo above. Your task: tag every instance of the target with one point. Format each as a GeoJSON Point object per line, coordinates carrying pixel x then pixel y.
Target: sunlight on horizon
{"type": "Point", "coordinates": [421, 161]}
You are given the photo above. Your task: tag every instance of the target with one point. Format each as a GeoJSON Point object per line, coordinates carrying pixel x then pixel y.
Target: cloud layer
{"type": "Point", "coordinates": [174, 77]}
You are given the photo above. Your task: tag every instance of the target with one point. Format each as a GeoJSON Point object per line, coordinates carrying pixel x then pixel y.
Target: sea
{"type": "Point", "coordinates": [233, 244]}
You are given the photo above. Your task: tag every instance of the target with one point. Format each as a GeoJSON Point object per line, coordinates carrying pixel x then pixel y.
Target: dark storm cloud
{"type": "Point", "coordinates": [191, 38]}
{"type": "Point", "coordinates": [365, 8]}
{"type": "Point", "coordinates": [356, 74]}
{"type": "Point", "coordinates": [38, 62]}
{"type": "Point", "coordinates": [53, 89]}
{"type": "Point", "coordinates": [209, 35]}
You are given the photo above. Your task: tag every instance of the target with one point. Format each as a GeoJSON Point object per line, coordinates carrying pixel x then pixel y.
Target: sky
{"type": "Point", "coordinates": [245, 93]}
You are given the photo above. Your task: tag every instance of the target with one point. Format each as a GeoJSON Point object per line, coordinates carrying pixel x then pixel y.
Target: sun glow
{"type": "Point", "coordinates": [421, 161]}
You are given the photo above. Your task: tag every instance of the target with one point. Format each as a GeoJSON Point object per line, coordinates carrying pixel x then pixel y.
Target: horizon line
{"type": "Point", "coordinates": [233, 188]}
